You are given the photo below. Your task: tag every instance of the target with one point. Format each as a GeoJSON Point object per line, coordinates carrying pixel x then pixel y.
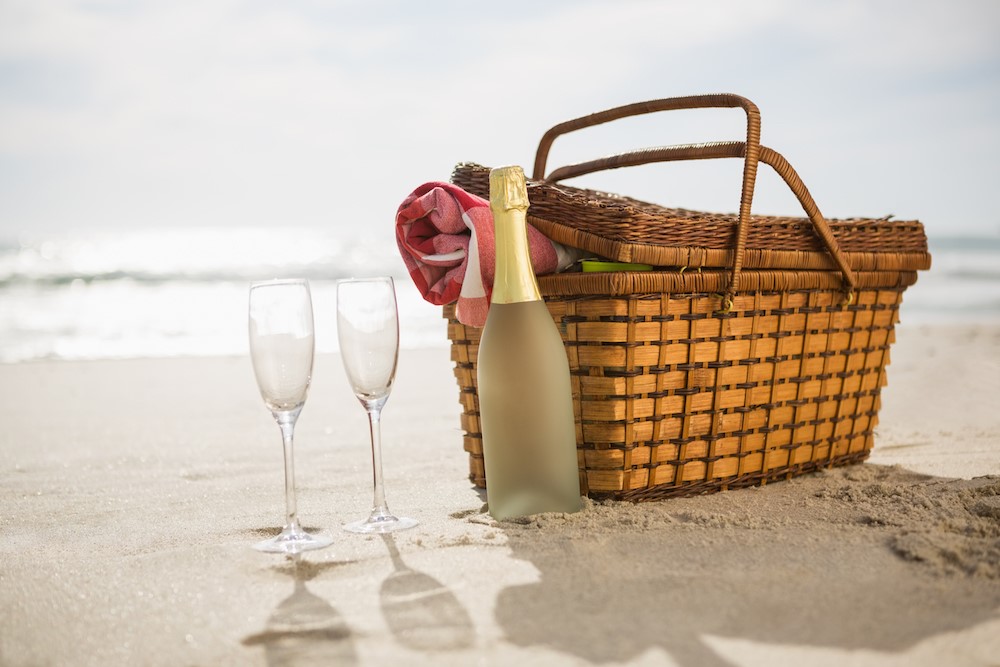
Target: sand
{"type": "Point", "coordinates": [130, 492]}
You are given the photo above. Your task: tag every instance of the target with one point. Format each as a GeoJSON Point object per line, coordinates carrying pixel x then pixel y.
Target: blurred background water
{"type": "Point", "coordinates": [162, 292]}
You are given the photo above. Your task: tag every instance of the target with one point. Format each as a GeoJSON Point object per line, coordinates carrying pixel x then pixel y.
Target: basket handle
{"type": "Point", "coordinates": [729, 149]}
{"type": "Point", "coordinates": [722, 100]}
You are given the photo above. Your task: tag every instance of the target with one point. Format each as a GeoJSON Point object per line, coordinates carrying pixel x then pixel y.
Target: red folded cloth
{"type": "Point", "coordinates": [445, 236]}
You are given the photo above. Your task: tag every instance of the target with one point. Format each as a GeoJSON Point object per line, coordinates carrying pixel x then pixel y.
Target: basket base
{"type": "Point", "coordinates": [755, 479]}
{"type": "Point", "coordinates": [700, 488]}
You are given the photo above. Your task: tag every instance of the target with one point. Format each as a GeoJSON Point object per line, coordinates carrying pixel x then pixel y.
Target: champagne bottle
{"type": "Point", "coordinates": [525, 398]}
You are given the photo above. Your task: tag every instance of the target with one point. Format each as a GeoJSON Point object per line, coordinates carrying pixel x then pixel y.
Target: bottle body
{"type": "Point", "coordinates": [525, 397]}
{"type": "Point", "coordinates": [526, 413]}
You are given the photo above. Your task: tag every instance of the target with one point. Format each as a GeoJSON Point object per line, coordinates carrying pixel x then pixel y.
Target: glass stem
{"type": "Point", "coordinates": [375, 424]}
{"type": "Point", "coordinates": [287, 424]}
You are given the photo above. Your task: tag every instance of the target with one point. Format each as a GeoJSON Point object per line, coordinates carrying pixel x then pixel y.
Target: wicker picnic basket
{"type": "Point", "coordinates": [756, 350]}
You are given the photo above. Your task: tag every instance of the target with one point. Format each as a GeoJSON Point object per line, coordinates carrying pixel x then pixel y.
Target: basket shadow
{"type": "Point", "coordinates": [804, 562]}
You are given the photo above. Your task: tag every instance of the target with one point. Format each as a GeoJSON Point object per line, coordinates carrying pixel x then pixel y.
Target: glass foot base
{"type": "Point", "coordinates": [381, 522]}
{"type": "Point", "coordinates": [293, 541]}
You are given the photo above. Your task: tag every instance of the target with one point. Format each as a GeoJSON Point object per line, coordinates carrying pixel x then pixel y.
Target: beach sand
{"type": "Point", "coordinates": [131, 491]}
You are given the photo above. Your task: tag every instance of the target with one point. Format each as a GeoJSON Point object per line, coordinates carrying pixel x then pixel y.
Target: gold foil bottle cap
{"type": "Point", "coordinates": [508, 189]}
{"type": "Point", "coordinates": [514, 280]}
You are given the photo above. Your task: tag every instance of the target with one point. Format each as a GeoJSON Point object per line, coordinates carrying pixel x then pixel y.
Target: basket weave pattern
{"type": "Point", "coordinates": [673, 397]}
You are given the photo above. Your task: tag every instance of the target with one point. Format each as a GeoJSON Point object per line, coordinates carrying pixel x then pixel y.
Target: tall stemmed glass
{"type": "Point", "coordinates": [281, 347]}
{"type": "Point", "coordinates": [368, 331]}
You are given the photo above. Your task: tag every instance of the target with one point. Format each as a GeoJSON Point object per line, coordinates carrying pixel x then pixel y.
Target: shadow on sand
{"type": "Point", "coordinates": [818, 562]}
{"type": "Point", "coordinates": [305, 629]}
{"type": "Point", "coordinates": [420, 611]}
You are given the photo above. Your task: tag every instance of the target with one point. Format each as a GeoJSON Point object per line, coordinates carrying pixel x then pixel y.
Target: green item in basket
{"type": "Point", "coordinates": [594, 265]}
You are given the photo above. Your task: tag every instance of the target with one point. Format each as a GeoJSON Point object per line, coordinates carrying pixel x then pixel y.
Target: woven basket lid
{"type": "Point", "coordinates": [629, 230]}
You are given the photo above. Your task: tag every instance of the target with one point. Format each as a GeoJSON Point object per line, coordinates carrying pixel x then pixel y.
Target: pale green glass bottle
{"type": "Point", "coordinates": [525, 396]}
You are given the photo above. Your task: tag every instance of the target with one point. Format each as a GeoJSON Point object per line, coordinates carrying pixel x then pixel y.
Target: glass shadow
{"type": "Point", "coordinates": [304, 629]}
{"type": "Point", "coordinates": [421, 612]}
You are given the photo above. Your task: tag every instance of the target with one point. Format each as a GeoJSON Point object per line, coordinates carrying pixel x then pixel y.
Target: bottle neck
{"type": "Point", "coordinates": [514, 280]}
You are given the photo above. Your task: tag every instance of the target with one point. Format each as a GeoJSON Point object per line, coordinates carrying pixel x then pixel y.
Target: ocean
{"type": "Point", "coordinates": [183, 292]}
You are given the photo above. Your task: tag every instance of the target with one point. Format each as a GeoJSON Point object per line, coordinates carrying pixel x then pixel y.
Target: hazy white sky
{"type": "Point", "coordinates": [135, 113]}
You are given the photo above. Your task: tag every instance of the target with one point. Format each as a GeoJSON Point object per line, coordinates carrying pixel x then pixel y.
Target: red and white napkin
{"type": "Point", "coordinates": [445, 236]}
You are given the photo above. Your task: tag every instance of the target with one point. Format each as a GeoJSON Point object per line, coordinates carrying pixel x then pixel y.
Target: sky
{"type": "Point", "coordinates": [142, 114]}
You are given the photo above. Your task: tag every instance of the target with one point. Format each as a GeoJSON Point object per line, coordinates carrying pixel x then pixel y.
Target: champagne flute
{"type": "Point", "coordinates": [368, 331]}
{"type": "Point", "coordinates": [281, 348]}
